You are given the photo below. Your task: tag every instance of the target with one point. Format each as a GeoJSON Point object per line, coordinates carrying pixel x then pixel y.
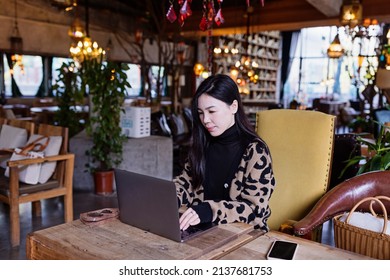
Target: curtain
{"type": "Point", "coordinates": [45, 86]}
{"type": "Point", "coordinates": [289, 45]}
{"type": "Point", "coordinates": [14, 86]}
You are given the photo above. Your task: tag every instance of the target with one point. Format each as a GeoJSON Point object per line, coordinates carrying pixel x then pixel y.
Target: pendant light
{"type": "Point", "coordinates": [351, 13]}
{"type": "Point", "coordinates": [335, 49]}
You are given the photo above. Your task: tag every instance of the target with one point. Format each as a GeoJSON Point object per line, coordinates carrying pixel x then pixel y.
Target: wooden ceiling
{"type": "Point", "coordinates": [274, 15]}
{"type": "Point", "coordinates": [284, 15]}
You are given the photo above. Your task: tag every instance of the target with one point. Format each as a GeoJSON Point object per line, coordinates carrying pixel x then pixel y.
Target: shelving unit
{"type": "Point", "coordinates": [262, 48]}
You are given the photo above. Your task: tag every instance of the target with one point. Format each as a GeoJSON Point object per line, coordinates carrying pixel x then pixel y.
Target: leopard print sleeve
{"type": "Point", "coordinates": [250, 190]}
{"type": "Point", "coordinates": [186, 194]}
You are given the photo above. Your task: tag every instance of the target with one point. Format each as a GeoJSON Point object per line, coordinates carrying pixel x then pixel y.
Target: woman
{"type": "Point", "coordinates": [228, 176]}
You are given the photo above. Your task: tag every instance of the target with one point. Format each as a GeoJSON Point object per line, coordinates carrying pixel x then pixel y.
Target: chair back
{"type": "Point", "coordinates": [29, 126]}
{"type": "Point", "coordinates": [346, 146]}
{"type": "Point", "coordinates": [53, 130]}
{"type": "Point", "coordinates": [301, 146]}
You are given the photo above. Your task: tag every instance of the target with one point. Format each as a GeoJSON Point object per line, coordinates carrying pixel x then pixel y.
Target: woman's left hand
{"type": "Point", "coordinates": [189, 218]}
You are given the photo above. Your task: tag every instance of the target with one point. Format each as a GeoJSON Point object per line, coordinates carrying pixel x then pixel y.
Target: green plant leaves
{"type": "Point", "coordinates": [379, 151]}
{"type": "Point", "coordinates": [107, 86]}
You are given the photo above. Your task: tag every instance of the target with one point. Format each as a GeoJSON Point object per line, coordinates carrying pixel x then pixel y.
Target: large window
{"type": "Point", "coordinates": [314, 75]}
{"type": "Point", "coordinates": [27, 75]}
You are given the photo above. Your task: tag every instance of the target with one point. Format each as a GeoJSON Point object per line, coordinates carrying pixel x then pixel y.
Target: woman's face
{"type": "Point", "coordinates": [215, 115]}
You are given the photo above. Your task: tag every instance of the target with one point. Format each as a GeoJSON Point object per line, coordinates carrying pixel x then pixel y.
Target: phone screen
{"type": "Point", "coordinates": [282, 250]}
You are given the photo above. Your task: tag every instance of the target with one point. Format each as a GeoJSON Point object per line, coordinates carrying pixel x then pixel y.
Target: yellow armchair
{"type": "Point", "coordinates": [301, 145]}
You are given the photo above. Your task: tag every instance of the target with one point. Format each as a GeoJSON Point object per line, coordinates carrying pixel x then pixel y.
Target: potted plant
{"type": "Point", "coordinates": [378, 152]}
{"type": "Point", "coordinates": [68, 97]}
{"type": "Point", "coordinates": [106, 84]}
{"type": "Point", "coordinates": [360, 124]}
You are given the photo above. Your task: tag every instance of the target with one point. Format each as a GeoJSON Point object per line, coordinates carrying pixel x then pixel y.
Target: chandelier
{"type": "Point", "coordinates": [83, 48]}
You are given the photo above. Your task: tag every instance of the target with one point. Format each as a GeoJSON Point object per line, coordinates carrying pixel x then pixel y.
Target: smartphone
{"type": "Point", "coordinates": [282, 250]}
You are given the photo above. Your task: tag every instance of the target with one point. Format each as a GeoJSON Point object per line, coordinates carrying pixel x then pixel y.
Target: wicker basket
{"type": "Point", "coordinates": [362, 241]}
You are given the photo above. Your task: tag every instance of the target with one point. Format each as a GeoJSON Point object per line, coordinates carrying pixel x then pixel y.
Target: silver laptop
{"type": "Point", "coordinates": [151, 204]}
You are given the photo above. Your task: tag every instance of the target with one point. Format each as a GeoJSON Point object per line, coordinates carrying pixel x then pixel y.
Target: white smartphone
{"type": "Point", "coordinates": [282, 250]}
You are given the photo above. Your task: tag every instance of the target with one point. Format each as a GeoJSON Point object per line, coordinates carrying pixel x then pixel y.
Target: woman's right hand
{"type": "Point", "coordinates": [189, 218]}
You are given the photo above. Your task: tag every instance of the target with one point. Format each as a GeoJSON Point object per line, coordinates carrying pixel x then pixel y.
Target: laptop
{"type": "Point", "coordinates": [151, 204]}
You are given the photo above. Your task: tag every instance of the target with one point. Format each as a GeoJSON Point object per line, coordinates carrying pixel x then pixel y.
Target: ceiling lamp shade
{"type": "Point", "coordinates": [335, 49]}
{"type": "Point", "coordinates": [76, 30]}
{"type": "Point", "coordinates": [351, 13]}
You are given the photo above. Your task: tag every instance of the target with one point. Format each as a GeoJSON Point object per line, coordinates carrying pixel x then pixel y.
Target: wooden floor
{"type": "Point", "coordinates": [52, 214]}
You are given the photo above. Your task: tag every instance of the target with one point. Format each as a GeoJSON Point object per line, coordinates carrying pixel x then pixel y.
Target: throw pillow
{"type": "Point", "coordinates": [12, 137]}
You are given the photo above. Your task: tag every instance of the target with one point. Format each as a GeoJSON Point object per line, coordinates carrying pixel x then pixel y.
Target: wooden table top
{"type": "Point", "coordinates": [307, 249]}
{"type": "Point", "coordinates": [115, 240]}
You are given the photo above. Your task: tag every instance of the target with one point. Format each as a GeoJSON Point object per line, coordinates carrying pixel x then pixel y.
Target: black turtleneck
{"type": "Point", "coordinates": [222, 159]}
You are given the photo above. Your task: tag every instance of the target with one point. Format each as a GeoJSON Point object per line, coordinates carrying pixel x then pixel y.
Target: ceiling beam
{"type": "Point", "coordinates": [330, 8]}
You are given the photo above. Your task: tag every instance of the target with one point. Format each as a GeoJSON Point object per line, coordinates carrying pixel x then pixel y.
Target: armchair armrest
{"type": "Point", "coordinates": [29, 161]}
{"type": "Point", "coordinates": [344, 197]}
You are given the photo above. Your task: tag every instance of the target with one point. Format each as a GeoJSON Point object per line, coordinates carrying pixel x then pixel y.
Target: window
{"type": "Point", "coordinates": [57, 63]}
{"type": "Point", "coordinates": [314, 75]}
{"type": "Point", "coordinates": [134, 79]}
{"type": "Point", "coordinates": [27, 74]}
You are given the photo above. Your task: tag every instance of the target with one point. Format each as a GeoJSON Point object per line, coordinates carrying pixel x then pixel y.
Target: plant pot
{"type": "Point", "coordinates": [104, 182]}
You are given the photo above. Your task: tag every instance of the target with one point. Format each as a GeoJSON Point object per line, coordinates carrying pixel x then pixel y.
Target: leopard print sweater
{"type": "Point", "coordinates": [250, 190]}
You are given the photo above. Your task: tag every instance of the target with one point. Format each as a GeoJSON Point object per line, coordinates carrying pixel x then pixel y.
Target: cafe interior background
{"type": "Point", "coordinates": [326, 55]}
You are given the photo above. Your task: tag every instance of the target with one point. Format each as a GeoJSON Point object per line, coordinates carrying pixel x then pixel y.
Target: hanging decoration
{"type": "Point", "coordinates": [209, 15]}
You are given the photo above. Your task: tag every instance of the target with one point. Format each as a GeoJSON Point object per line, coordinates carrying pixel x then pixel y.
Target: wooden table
{"type": "Point", "coordinates": [331, 107]}
{"type": "Point", "coordinates": [307, 249]}
{"type": "Point", "coordinates": [116, 240]}
{"type": "Point", "coordinates": [45, 114]}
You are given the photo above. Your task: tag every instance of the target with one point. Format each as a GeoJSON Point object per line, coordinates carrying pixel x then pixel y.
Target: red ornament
{"type": "Point", "coordinates": [219, 18]}
{"type": "Point", "coordinates": [171, 15]}
{"type": "Point", "coordinates": [186, 9]}
{"type": "Point", "coordinates": [203, 24]}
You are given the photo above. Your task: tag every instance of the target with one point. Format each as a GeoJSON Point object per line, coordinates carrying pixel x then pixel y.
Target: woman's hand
{"type": "Point", "coordinates": [189, 218]}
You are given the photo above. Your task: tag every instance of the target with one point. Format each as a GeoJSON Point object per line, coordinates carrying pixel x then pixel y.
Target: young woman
{"type": "Point", "coordinates": [228, 176]}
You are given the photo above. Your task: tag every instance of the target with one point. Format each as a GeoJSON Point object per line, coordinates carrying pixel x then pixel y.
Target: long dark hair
{"type": "Point", "coordinates": [223, 88]}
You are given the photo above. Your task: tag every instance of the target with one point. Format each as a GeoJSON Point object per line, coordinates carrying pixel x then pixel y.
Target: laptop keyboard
{"type": "Point", "coordinates": [189, 232]}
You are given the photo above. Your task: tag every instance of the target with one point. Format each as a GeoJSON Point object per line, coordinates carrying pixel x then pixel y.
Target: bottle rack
{"type": "Point", "coordinates": [264, 49]}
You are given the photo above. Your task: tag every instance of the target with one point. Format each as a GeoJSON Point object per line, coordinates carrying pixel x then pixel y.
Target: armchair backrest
{"type": "Point", "coordinates": [52, 130]}
{"type": "Point", "coordinates": [301, 145]}
{"type": "Point", "coordinates": [28, 125]}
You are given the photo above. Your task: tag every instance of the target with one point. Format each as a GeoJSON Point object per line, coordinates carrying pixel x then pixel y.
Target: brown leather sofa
{"type": "Point", "coordinates": [344, 197]}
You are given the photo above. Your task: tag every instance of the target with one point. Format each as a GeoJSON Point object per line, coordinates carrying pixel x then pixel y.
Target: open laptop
{"type": "Point", "coordinates": [151, 204]}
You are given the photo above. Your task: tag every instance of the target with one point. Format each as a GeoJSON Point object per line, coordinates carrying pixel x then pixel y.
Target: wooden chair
{"type": "Point", "coordinates": [301, 144]}
{"type": "Point", "coordinates": [13, 192]}
{"type": "Point", "coordinates": [3, 121]}
{"type": "Point", "coordinates": [28, 125]}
